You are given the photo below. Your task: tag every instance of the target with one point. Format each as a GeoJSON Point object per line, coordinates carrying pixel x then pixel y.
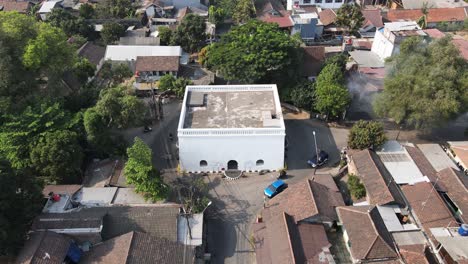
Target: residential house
{"type": "Point", "coordinates": [142, 41]}
{"type": "Point", "coordinates": [365, 234]}
{"type": "Point", "coordinates": [437, 157]}
{"type": "Point", "coordinates": [273, 11]}
{"type": "Point", "coordinates": [459, 152]}
{"type": "Point", "coordinates": [456, 192]}
{"type": "Point", "coordinates": [307, 26]}
{"type": "Point", "coordinates": [452, 247]}
{"type": "Point", "coordinates": [107, 172]}
{"type": "Point", "coordinates": [181, 13]}
{"type": "Point", "coordinates": [434, 16]}
{"type": "Point", "coordinates": [311, 200]}
{"type": "Point", "coordinates": [419, 4]}
{"type": "Point", "coordinates": [387, 40]}
{"type": "Point", "coordinates": [428, 207]}
{"type": "Point", "coordinates": [335, 4]}
{"type": "Point", "coordinates": [152, 61]}
{"type": "Point", "coordinates": [93, 53]}
{"type": "Point", "coordinates": [413, 247]}
{"type": "Point", "coordinates": [425, 166]}
{"type": "Point", "coordinates": [380, 189]}
{"type": "Point", "coordinates": [327, 20]}
{"type": "Point", "coordinates": [313, 59]}
{"type": "Point", "coordinates": [280, 239]}
{"type": "Point", "coordinates": [22, 7]}
{"type": "Point", "coordinates": [372, 22]}
{"type": "Point", "coordinates": [49, 247]}
{"type": "Point", "coordinates": [47, 7]}
{"type": "Point", "coordinates": [179, 4]}
{"type": "Point", "coordinates": [139, 248]}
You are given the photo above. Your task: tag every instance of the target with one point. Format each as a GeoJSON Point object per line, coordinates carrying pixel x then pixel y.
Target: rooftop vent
{"type": "Point", "coordinates": [196, 99]}
{"type": "Point", "coordinates": [270, 120]}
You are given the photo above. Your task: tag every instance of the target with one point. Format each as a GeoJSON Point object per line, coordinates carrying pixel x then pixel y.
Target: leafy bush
{"type": "Point", "coordinates": [366, 134]}
{"type": "Point", "coordinates": [355, 186]}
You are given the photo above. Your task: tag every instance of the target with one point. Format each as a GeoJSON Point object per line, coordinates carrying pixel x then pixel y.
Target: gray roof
{"type": "Point", "coordinates": [365, 58]}
{"type": "Point", "coordinates": [152, 41]}
{"type": "Point", "coordinates": [44, 248]}
{"type": "Point", "coordinates": [418, 4]}
{"type": "Point", "coordinates": [437, 157]}
{"type": "Point", "coordinates": [81, 218]}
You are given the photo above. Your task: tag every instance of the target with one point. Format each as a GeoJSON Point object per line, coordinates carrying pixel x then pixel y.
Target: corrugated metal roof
{"type": "Point", "coordinates": [437, 157]}
{"type": "Point", "coordinates": [48, 6]}
{"type": "Point", "coordinates": [127, 53]}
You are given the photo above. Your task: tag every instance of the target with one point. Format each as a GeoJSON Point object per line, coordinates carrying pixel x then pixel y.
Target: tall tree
{"type": "Point", "coordinates": [244, 11]}
{"type": "Point", "coordinates": [84, 70]}
{"type": "Point", "coordinates": [139, 171]}
{"type": "Point", "coordinates": [350, 16]}
{"type": "Point", "coordinates": [190, 34]}
{"type": "Point", "coordinates": [166, 35]}
{"type": "Point", "coordinates": [427, 84]}
{"type": "Point", "coordinates": [255, 52]}
{"type": "Point", "coordinates": [216, 15]}
{"type": "Point", "coordinates": [111, 32]}
{"type": "Point", "coordinates": [58, 157]}
{"type": "Point", "coordinates": [86, 11]}
{"type": "Point", "coordinates": [332, 97]}
{"type": "Point", "coordinates": [115, 9]}
{"type": "Point", "coordinates": [20, 201]}
{"type": "Point", "coordinates": [366, 134]}
{"type": "Point", "coordinates": [302, 95]}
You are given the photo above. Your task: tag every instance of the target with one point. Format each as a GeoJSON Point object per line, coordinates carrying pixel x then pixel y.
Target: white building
{"type": "Point", "coordinates": [231, 127]}
{"type": "Point", "coordinates": [319, 3]}
{"type": "Point", "coordinates": [387, 40]}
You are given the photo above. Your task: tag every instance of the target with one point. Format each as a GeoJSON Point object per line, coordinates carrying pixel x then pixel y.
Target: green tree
{"type": "Point", "coordinates": [111, 32]}
{"type": "Point", "coordinates": [366, 134]}
{"type": "Point", "coordinates": [70, 24]}
{"type": "Point", "coordinates": [20, 201]}
{"type": "Point", "coordinates": [227, 5]}
{"type": "Point", "coordinates": [255, 52]}
{"type": "Point", "coordinates": [331, 96]}
{"type": "Point", "coordinates": [179, 86]}
{"type": "Point", "coordinates": [190, 34]}
{"type": "Point", "coordinates": [243, 12]}
{"type": "Point", "coordinates": [422, 21]}
{"type": "Point", "coordinates": [339, 59]}
{"type": "Point", "coordinates": [427, 84]}
{"type": "Point", "coordinates": [350, 16]}
{"type": "Point", "coordinates": [115, 73]}
{"type": "Point", "coordinates": [86, 11]}
{"type": "Point", "coordinates": [58, 157]}
{"type": "Point", "coordinates": [115, 9]}
{"type": "Point", "coordinates": [216, 15]}
{"type": "Point", "coordinates": [355, 186]}
{"type": "Point", "coordinates": [302, 95]}
{"type": "Point", "coordinates": [140, 172]}
{"type": "Point", "coordinates": [166, 36]}
{"type": "Point", "coordinates": [166, 82]}
{"type": "Point", "coordinates": [84, 70]}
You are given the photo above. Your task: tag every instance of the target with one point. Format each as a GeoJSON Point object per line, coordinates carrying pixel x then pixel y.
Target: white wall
{"type": "Point", "coordinates": [217, 150]}
{"type": "Point", "coordinates": [322, 4]}
{"type": "Point", "coordinates": [382, 46]}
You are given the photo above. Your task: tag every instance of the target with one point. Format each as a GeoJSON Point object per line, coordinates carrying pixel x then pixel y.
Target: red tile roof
{"type": "Point", "coordinates": [434, 15]}
{"type": "Point", "coordinates": [372, 17]}
{"type": "Point", "coordinates": [434, 33]}
{"type": "Point", "coordinates": [456, 190]}
{"type": "Point", "coordinates": [428, 206]}
{"type": "Point", "coordinates": [368, 237]}
{"type": "Point", "coordinates": [462, 45]}
{"type": "Point", "coordinates": [414, 254]}
{"type": "Point", "coordinates": [327, 17]}
{"type": "Point", "coordinates": [265, 8]}
{"type": "Point", "coordinates": [283, 22]}
{"type": "Point", "coordinates": [20, 6]}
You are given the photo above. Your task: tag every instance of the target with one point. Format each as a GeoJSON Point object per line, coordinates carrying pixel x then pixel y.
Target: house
{"type": "Point", "coordinates": [22, 7]}
{"type": "Point", "coordinates": [327, 20]}
{"type": "Point", "coordinates": [311, 200]}
{"type": "Point", "coordinates": [272, 11]}
{"type": "Point", "coordinates": [456, 192]}
{"type": "Point", "coordinates": [434, 16]}
{"type": "Point", "coordinates": [49, 247]}
{"type": "Point", "coordinates": [137, 247]}
{"type": "Point", "coordinates": [139, 41]}
{"type": "Point", "coordinates": [413, 247]}
{"type": "Point", "coordinates": [313, 59]}
{"type": "Point", "coordinates": [151, 68]}
{"type": "Point", "coordinates": [107, 172]}
{"type": "Point", "coordinates": [380, 189]}
{"type": "Point", "coordinates": [387, 40]}
{"type": "Point", "coordinates": [372, 22]}
{"type": "Point", "coordinates": [418, 4]}
{"type": "Point", "coordinates": [335, 4]}
{"type": "Point", "coordinates": [47, 7]}
{"type": "Point", "coordinates": [459, 152]}
{"type": "Point", "coordinates": [428, 207]}
{"type": "Point", "coordinates": [452, 247]}
{"type": "Point", "coordinates": [424, 165]}
{"type": "Point", "coordinates": [181, 13]}
{"type": "Point", "coordinates": [437, 157]}
{"type": "Point", "coordinates": [130, 54]}
{"type": "Point", "coordinates": [280, 239]}
{"type": "Point", "coordinates": [306, 25]}
{"type": "Point", "coordinates": [219, 122]}
{"type": "Point", "coordinates": [366, 237]}
{"type": "Point", "coordinates": [93, 53]}
{"type": "Point", "coordinates": [399, 164]}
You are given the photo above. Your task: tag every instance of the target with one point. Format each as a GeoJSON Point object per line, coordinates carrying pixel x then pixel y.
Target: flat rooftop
{"type": "Point", "coordinates": [232, 107]}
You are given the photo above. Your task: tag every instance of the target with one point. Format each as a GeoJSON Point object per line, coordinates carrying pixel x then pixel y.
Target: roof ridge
{"type": "Point", "coordinates": [455, 174]}
{"type": "Point", "coordinates": [132, 236]}
{"type": "Point", "coordinates": [371, 246]}
{"type": "Point", "coordinates": [378, 236]}
{"type": "Point", "coordinates": [309, 183]}
{"type": "Point", "coordinates": [351, 208]}
{"type": "Point", "coordinates": [285, 215]}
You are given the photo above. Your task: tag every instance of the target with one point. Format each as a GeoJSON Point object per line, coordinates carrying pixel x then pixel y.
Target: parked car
{"type": "Point", "coordinates": [275, 188]}
{"type": "Point", "coordinates": [315, 162]}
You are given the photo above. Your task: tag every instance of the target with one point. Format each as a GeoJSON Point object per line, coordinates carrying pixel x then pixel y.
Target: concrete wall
{"type": "Point", "coordinates": [218, 150]}
{"type": "Point", "coordinates": [322, 3]}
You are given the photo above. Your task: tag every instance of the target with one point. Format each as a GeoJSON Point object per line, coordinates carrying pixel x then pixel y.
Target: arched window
{"type": "Point", "coordinates": [260, 162]}
{"type": "Point", "coordinates": [203, 163]}
{"type": "Point", "coordinates": [232, 165]}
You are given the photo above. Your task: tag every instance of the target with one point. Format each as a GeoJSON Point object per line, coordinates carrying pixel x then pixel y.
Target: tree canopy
{"type": "Point", "coordinates": [115, 9]}
{"type": "Point", "coordinates": [427, 84]}
{"type": "Point", "coordinates": [166, 35]}
{"type": "Point", "coordinates": [254, 52]}
{"type": "Point", "coordinates": [366, 134]}
{"type": "Point", "coordinates": [350, 16]}
{"type": "Point", "coordinates": [302, 95]}
{"type": "Point", "coordinates": [243, 12]}
{"type": "Point", "coordinates": [190, 34]}
{"type": "Point", "coordinates": [139, 171]}
{"type": "Point", "coordinates": [111, 32]}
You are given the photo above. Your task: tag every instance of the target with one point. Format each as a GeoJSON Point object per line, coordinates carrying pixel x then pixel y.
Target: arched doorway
{"type": "Point", "coordinates": [232, 165]}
